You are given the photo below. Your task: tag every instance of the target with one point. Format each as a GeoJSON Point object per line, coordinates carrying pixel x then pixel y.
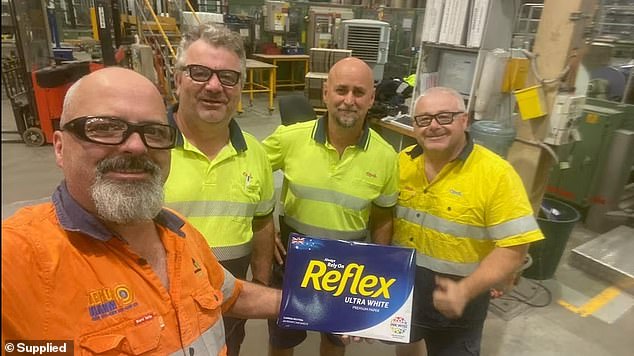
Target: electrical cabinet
{"type": "Point", "coordinates": [276, 16]}
{"type": "Point", "coordinates": [562, 124]}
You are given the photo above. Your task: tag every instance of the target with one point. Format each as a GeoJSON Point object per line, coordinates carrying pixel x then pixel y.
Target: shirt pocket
{"type": "Point", "coordinates": [367, 188]}
{"type": "Point", "coordinates": [135, 336]}
{"type": "Point", "coordinates": [365, 191]}
{"type": "Point", "coordinates": [406, 197]}
{"type": "Point", "coordinates": [247, 186]}
{"type": "Point", "coordinates": [246, 196]}
{"type": "Point", "coordinates": [458, 209]}
{"type": "Point", "coordinates": [407, 225]}
{"type": "Point", "coordinates": [207, 301]}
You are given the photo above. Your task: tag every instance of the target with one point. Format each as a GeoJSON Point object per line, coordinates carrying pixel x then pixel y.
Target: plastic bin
{"type": "Point", "coordinates": [556, 220]}
{"type": "Point", "coordinates": [493, 135]}
{"type": "Point", "coordinates": [531, 102]}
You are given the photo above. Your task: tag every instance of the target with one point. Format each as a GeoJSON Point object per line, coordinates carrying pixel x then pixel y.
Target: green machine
{"type": "Point", "coordinates": [576, 178]}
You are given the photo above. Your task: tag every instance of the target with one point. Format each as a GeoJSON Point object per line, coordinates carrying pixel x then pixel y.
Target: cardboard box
{"type": "Point", "coordinates": [348, 288]}
{"type": "Point", "coordinates": [315, 88]}
{"type": "Point", "coordinates": [321, 59]}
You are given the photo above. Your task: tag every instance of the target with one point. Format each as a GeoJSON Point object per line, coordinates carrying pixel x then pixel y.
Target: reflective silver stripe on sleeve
{"type": "Point", "coordinates": [447, 267]}
{"type": "Point", "coordinates": [328, 196]}
{"type": "Point", "coordinates": [224, 253]}
{"type": "Point", "coordinates": [440, 224]}
{"type": "Point", "coordinates": [265, 207]}
{"type": "Point", "coordinates": [209, 342]}
{"type": "Point", "coordinates": [213, 208]}
{"type": "Point", "coordinates": [325, 233]}
{"type": "Point", "coordinates": [386, 200]}
{"type": "Point", "coordinates": [514, 227]}
{"type": "Point", "coordinates": [229, 285]}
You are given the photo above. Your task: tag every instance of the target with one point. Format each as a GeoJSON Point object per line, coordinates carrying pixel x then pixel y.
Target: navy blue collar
{"type": "Point", "coordinates": [235, 133]}
{"type": "Point", "coordinates": [72, 217]}
{"type": "Point", "coordinates": [320, 132]}
{"type": "Point", "coordinates": [464, 154]}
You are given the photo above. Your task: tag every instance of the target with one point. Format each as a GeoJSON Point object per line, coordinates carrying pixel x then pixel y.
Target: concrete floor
{"type": "Point", "coordinates": [592, 324]}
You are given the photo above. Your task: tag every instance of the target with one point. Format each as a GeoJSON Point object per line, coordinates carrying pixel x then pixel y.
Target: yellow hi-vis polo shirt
{"type": "Point", "coordinates": [220, 197]}
{"type": "Point", "coordinates": [475, 203]}
{"type": "Point", "coordinates": [326, 195]}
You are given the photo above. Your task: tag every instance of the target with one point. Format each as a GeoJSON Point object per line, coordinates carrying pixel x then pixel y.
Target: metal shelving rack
{"type": "Point", "coordinates": [614, 24]}
{"type": "Point", "coordinates": [615, 20]}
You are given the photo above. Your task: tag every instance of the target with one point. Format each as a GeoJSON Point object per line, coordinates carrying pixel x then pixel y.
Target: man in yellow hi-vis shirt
{"type": "Point", "coordinates": [465, 211]}
{"type": "Point", "coordinates": [340, 178]}
{"type": "Point", "coordinates": [220, 179]}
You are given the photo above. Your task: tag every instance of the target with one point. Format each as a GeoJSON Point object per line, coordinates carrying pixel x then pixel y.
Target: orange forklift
{"type": "Point", "coordinates": [37, 74]}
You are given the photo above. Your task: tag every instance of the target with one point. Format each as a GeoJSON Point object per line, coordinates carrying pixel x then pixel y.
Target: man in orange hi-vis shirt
{"type": "Point", "coordinates": [104, 265]}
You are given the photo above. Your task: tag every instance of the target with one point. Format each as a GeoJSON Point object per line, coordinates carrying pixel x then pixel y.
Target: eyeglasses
{"type": "Point", "coordinates": [109, 130]}
{"type": "Point", "coordinates": [442, 118]}
{"type": "Point", "coordinates": [202, 74]}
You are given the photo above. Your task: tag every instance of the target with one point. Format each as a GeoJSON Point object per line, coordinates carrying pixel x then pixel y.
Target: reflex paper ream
{"type": "Point", "coordinates": [348, 288]}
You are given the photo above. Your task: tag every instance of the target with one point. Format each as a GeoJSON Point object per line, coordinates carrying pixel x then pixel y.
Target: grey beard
{"type": "Point", "coordinates": [345, 124]}
{"type": "Point", "coordinates": [125, 202]}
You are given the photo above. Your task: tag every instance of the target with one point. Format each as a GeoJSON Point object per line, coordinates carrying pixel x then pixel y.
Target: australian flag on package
{"type": "Point", "coordinates": [348, 288]}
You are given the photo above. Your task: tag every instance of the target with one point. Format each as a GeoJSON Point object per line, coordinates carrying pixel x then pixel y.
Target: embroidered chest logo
{"type": "Point", "coordinates": [247, 179]}
{"type": "Point", "coordinates": [370, 174]}
{"type": "Point", "coordinates": [197, 268]}
{"type": "Point", "coordinates": [455, 192]}
{"type": "Point", "coordinates": [110, 301]}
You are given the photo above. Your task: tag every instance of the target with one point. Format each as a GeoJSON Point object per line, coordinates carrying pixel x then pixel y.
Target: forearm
{"type": "Point", "coordinates": [496, 268]}
{"type": "Point", "coordinates": [382, 235]}
{"type": "Point", "coordinates": [381, 225]}
{"type": "Point", "coordinates": [256, 302]}
{"type": "Point", "coordinates": [263, 248]}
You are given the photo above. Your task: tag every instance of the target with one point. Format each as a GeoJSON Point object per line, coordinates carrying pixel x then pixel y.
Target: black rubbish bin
{"type": "Point", "coordinates": [556, 220]}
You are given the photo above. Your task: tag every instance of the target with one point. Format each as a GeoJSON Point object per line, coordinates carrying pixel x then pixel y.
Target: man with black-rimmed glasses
{"type": "Point", "coordinates": [465, 211]}
{"type": "Point", "coordinates": [220, 179]}
{"type": "Point", "coordinates": [104, 267]}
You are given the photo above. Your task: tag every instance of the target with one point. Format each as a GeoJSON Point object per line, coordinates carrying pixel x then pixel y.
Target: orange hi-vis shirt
{"type": "Point", "coordinates": [66, 277]}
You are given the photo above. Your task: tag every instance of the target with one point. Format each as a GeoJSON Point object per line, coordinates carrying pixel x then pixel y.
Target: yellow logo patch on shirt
{"type": "Point", "coordinates": [110, 301]}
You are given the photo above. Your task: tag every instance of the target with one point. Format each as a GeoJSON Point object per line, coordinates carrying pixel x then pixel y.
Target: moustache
{"type": "Point", "coordinates": [211, 97]}
{"type": "Point", "coordinates": [120, 163]}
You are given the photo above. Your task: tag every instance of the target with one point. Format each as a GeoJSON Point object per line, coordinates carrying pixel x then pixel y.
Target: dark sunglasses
{"type": "Point", "coordinates": [202, 74]}
{"type": "Point", "coordinates": [442, 118]}
{"type": "Point", "coordinates": [109, 130]}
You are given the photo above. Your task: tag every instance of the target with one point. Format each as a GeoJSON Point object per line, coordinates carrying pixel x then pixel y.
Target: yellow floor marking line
{"type": "Point", "coordinates": [594, 303]}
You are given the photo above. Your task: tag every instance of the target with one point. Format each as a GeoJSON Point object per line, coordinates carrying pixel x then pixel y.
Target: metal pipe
{"type": "Point", "coordinates": [191, 8]}
{"type": "Point", "coordinates": [167, 41]}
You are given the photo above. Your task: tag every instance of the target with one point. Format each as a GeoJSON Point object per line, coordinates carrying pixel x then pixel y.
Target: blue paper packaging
{"type": "Point", "coordinates": [350, 288]}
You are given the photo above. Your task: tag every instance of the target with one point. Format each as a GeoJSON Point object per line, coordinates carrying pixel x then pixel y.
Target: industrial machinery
{"type": "Point", "coordinates": [34, 80]}
{"type": "Point", "coordinates": [579, 178]}
{"type": "Point", "coordinates": [368, 40]}
{"type": "Point", "coordinates": [245, 26]}
{"type": "Point", "coordinates": [324, 25]}
{"type": "Point", "coordinates": [276, 16]}
{"type": "Point", "coordinates": [282, 26]}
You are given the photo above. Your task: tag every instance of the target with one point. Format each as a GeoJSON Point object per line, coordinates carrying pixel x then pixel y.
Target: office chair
{"type": "Point", "coordinates": [295, 108]}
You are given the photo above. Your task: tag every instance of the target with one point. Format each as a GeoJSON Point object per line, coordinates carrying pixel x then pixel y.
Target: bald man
{"type": "Point", "coordinates": [104, 265]}
{"type": "Point", "coordinates": [340, 179]}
